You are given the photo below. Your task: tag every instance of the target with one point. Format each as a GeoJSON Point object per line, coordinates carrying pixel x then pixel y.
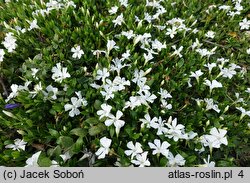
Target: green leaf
{"type": "Point", "coordinates": [94, 130]}
{"type": "Point", "coordinates": [15, 154]}
{"type": "Point", "coordinates": [65, 141]}
{"type": "Point", "coordinates": [92, 121]}
{"type": "Point", "coordinates": [54, 133]}
{"type": "Point", "coordinates": [79, 132]}
{"type": "Point", "coordinates": [163, 162]}
{"type": "Point", "coordinates": [44, 162]}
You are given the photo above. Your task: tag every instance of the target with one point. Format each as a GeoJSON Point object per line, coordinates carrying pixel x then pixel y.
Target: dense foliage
{"type": "Point", "coordinates": [124, 83]}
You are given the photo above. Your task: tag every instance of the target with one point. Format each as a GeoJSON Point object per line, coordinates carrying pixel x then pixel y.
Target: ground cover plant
{"type": "Point", "coordinates": [124, 83]}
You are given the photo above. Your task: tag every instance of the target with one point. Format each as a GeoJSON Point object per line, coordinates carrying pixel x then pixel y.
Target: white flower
{"type": "Point", "coordinates": [177, 51]}
{"type": "Point", "coordinates": [59, 73]}
{"type": "Point", "coordinates": [134, 149]}
{"type": "Point", "coordinates": [211, 105]}
{"type": "Point", "coordinates": [219, 134]}
{"type": "Point", "coordinates": [222, 61]}
{"type": "Point", "coordinates": [34, 72]}
{"type": "Point", "coordinates": [1, 54]}
{"type": "Point", "coordinates": [33, 24]}
{"type": "Point", "coordinates": [210, 67]}
{"type": "Point", "coordinates": [32, 161]}
{"type": "Point", "coordinates": [66, 156]}
{"type": "Point", "coordinates": [243, 112]}
{"type": "Point", "coordinates": [128, 34]}
{"type": "Point", "coordinates": [113, 10]}
{"type": "Point", "coordinates": [248, 90]}
{"type": "Point", "coordinates": [37, 88]}
{"type": "Point", "coordinates": [18, 145]}
{"type": "Point", "coordinates": [102, 74]}
{"type": "Point", "coordinates": [204, 52]}
{"type": "Point", "coordinates": [171, 32]}
{"type": "Point", "coordinates": [146, 96]}
{"type": "Point", "coordinates": [165, 104]}
{"type": "Point", "coordinates": [110, 45]}
{"type": "Point", "coordinates": [175, 131]}
{"type": "Point", "coordinates": [133, 102]}
{"type": "Point", "coordinates": [159, 125]}
{"type": "Point", "coordinates": [248, 52]}
{"type": "Point", "coordinates": [210, 34]}
{"type": "Point", "coordinates": [196, 44]}
{"type": "Point", "coordinates": [74, 111]}
{"type": "Point", "coordinates": [105, 111]}
{"type": "Point", "coordinates": [98, 52]}
{"type": "Point", "coordinates": [213, 84]}
{"type": "Point", "coordinates": [124, 3]}
{"type": "Point", "coordinates": [116, 121]}
{"type": "Point", "coordinates": [14, 92]}
{"type": "Point", "coordinates": [108, 91]}
{"type": "Point", "coordinates": [215, 139]}
{"type": "Point", "coordinates": [176, 161]}
{"type": "Point", "coordinates": [156, 44]}
{"type": "Point", "coordinates": [141, 160]}
{"type": "Point", "coordinates": [120, 83]}
{"type": "Point", "coordinates": [245, 24]}
{"type": "Point", "coordinates": [54, 164]}
{"type": "Point", "coordinates": [191, 135]}
{"type": "Point", "coordinates": [77, 52]}
{"type": "Point", "coordinates": [104, 149]}
{"type": "Point", "coordinates": [117, 65]}
{"type": "Point", "coordinates": [227, 73]}
{"type": "Point", "coordinates": [147, 121]}
{"type": "Point", "coordinates": [139, 77]}
{"type": "Point", "coordinates": [119, 20]}
{"type": "Point", "coordinates": [9, 42]}
{"type": "Point", "coordinates": [159, 148]}
{"type": "Point", "coordinates": [52, 90]}
{"type": "Point", "coordinates": [207, 163]}
{"type": "Point", "coordinates": [81, 99]}
{"type": "Point", "coordinates": [164, 94]}
{"type": "Point", "coordinates": [196, 74]}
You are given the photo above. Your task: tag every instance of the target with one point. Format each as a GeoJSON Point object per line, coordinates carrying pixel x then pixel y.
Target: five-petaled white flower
{"type": "Point", "coordinates": [159, 148]}
{"type": "Point", "coordinates": [104, 149]}
{"type": "Point", "coordinates": [32, 161]}
{"type": "Point", "coordinates": [77, 52]}
{"type": "Point", "coordinates": [171, 32]}
{"type": "Point", "coordinates": [159, 125]}
{"type": "Point", "coordinates": [177, 51]}
{"type": "Point", "coordinates": [105, 111]}
{"type": "Point", "coordinates": [245, 24]}
{"type": "Point", "coordinates": [243, 111]}
{"type": "Point", "coordinates": [213, 84]}
{"type": "Point", "coordinates": [33, 24]}
{"type": "Point", "coordinates": [9, 42]}
{"type": "Point", "coordinates": [216, 138]}
{"type": "Point", "coordinates": [175, 131]}
{"type": "Point", "coordinates": [134, 149]}
{"type": "Point", "coordinates": [51, 91]}
{"type": "Point", "coordinates": [196, 74]}
{"type": "Point", "coordinates": [141, 160]}
{"type": "Point", "coordinates": [118, 123]}
{"type": "Point", "coordinates": [59, 73]}
{"type": "Point", "coordinates": [18, 145]}
{"type": "Point", "coordinates": [74, 111]}
{"type": "Point", "coordinates": [175, 161]}
{"type": "Point", "coordinates": [110, 45]}
{"type": "Point", "coordinates": [210, 34]}
{"type": "Point", "coordinates": [113, 10]}
{"type": "Point", "coordinates": [147, 121]}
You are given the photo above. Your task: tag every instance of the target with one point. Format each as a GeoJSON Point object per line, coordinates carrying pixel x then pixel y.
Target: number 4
{"type": "Point", "coordinates": [241, 174]}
